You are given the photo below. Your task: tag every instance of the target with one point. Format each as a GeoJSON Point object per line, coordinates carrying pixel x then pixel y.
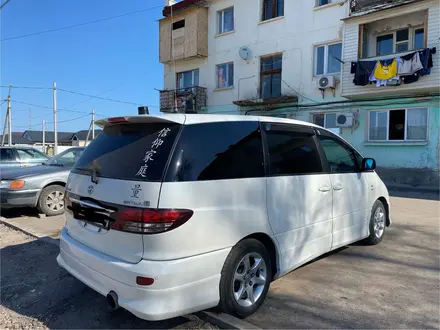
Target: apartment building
{"type": "Point", "coordinates": [313, 60]}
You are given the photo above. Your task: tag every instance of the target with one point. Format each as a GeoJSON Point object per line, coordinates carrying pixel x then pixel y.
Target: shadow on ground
{"type": "Point", "coordinates": [391, 285]}
{"type": "Point", "coordinates": [19, 212]}
{"type": "Point", "coordinates": [433, 196]}
{"type": "Point", "coordinates": [32, 284]}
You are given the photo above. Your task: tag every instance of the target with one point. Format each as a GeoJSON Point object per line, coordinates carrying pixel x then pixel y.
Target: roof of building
{"type": "Point", "coordinates": [37, 136]}
{"type": "Point", "coordinates": [373, 6]}
{"type": "Point", "coordinates": [82, 135]}
{"type": "Point", "coordinates": [17, 139]}
{"type": "Point", "coordinates": [184, 4]}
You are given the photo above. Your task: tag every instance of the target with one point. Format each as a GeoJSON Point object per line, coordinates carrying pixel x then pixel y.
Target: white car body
{"type": "Point", "coordinates": [302, 216]}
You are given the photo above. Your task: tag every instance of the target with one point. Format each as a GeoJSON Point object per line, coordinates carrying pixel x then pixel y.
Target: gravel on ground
{"type": "Point", "coordinates": [38, 294]}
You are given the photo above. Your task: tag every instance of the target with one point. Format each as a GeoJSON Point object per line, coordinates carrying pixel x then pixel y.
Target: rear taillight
{"type": "Point", "coordinates": [149, 221]}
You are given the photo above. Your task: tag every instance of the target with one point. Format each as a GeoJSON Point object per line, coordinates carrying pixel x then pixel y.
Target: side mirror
{"type": "Point", "coordinates": [368, 164]}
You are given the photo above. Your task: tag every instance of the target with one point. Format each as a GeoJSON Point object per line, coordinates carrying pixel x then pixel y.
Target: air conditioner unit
{"type": "Point", "coordinates": [326, 82]}
{"type": "Point", "coordinates": [344, 119]}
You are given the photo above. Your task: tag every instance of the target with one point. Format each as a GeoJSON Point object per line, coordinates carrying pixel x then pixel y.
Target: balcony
{"type": "Point", "coordinates": [184, 100]}
{"type": "Point", "coordinates": [184, 35]}
{"type": "Point", "coordinates": [359, 7]}
{"type": "Point", "coordinates": [391, 34]}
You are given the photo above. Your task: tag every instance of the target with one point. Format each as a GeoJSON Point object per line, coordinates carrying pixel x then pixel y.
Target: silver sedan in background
{"type": "Point", "coordinates": [38, 186]}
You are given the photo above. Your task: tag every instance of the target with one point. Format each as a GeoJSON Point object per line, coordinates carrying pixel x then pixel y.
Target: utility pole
{"type": "Point", "coordinates": [93, 124]}
{"type": "Point", "coordinates": [4, 129]}
{"type": "Point", "coordinates": [55, 131]}
{"type": "Point", "coordinates": [30, 118]}
{"type": "Point", "coordinates": [9, 119]}
{"type": "Point", "coordinates": [44, 136]}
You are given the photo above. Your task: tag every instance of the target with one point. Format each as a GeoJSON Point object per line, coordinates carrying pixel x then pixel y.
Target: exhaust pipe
{"type": "Point", "coordinates": [112, 299]}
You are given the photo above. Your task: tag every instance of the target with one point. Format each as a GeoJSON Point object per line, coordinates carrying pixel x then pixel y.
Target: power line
{"type": "Point", "coordinates": [4, 4]}
{"type": "Point", "coordinates": [100, 98]}
{"type": "Point", "coordinates": [60, 121]}
{"type": "Point", "coordinates": [25, 87]}
{"type": "Point", "coordinates": [80, 24]}
{"type": "Point", "coordinates": [106, 91]}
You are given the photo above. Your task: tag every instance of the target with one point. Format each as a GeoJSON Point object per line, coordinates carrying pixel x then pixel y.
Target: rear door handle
{"type": "Point", "coordinates": [338, 187]}
{"type": "Point", "coordinates": [324, 189]}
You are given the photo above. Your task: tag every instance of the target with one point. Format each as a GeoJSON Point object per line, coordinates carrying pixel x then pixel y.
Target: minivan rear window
{"type": "Point", "coordinates": [137, 152]}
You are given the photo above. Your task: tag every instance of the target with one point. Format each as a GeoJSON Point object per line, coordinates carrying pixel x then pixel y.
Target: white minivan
{"type": "Point", "coordinates": [173, 214]}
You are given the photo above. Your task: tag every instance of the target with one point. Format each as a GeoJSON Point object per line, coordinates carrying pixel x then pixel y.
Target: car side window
{"type": "Point", "coordinates": [29, 154]}
{"type": "Point", "coordinates": [218, 151]}
{"type": "Point", "coordinates": [6, 155]}
{"type": "Point", "coordinates": [292, 150]}
{"type": "Point", "coordinates": [341, 158]}
{"type": "Point", "coordinates": [24, 154]}
{"type": "Point", "coordinates": [69, 158]}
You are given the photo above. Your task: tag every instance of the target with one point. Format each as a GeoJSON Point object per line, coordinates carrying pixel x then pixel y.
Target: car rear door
{"type": "Point", "coordinates": [118, 175]}
{"type": "Point", "coordinates": [8, 158]}
{"type": "Point", "coordinates": [351, 190]}
{"type": "Point", "coordinates": [299, 198]}
{"type": "Point", "coordinates": [30, 157]}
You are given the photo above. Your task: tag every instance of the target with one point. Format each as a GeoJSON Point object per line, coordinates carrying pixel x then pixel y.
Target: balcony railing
{"type": "Point", "coordinates": [183, 100]}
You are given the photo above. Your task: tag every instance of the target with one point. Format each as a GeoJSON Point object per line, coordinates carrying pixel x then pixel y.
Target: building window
{"type": "Point", "coordinates": [187, 79]}
{"type": "Point", "coordinates": [320, 3]}
{"type": "Point", "coordinates": [225, 75]}
{"type": "Point", "coordinates": [225, 19]}
{"type": "Point", "coordinates": [400, 41]}
{"type": "Point", "coordinates": [270, 76]}
{"type": "Point", "coordinates": [179, 24]}
{"type": "Point", "coordinates": [398, 125]}
{"type": "Point", "coordinates": [272, 9]}
{"type": "Point", "coordinates": [327, 120]}
{"type": "Point", "coordinates": [419, 38]}
{"type": "Point", "coordinates": [328, 59]}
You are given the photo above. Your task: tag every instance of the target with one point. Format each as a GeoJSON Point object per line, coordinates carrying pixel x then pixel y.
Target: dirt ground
{"type": "Point", "coordinates": [37, 293]}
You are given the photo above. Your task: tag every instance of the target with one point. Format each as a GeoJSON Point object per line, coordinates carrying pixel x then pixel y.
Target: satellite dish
{"type": "Point", "coordinates": [244, 53]}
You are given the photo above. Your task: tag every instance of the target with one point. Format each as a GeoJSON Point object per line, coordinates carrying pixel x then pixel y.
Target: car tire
{"type": "Point", "coordinates": [51, 200]}
{"type": "Point", "coordinates": [245, 278]}
{"type": "Point", "coordinates": [377, 224]}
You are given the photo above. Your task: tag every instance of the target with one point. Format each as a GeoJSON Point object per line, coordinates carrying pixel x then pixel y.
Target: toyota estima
{"type": "Point", "coordinates": [168, 215]}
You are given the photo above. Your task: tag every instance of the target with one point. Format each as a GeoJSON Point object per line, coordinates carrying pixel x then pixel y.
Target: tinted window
{"type": "Point", "coordinates": [30, 154]}
{"type": "Point", "coordinates": [6, 155]}
{"type": "Point", "coordinates": [217, 151]}
{"type": "Point", "coordinates": [292, 151]}
{"type": "Point", "coordinates": [341, 158]}
{"type": "Point", "coordinates": [130, 151]}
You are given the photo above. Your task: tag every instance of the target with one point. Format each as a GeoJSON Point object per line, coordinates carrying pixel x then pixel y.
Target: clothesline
{"type": "Point", "coordinates": [395, 70]}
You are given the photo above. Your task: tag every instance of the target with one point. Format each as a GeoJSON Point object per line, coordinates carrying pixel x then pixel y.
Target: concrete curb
{"type": "Point", "coordinates": [422, 189]}
{"type": "Point", "coordinates": [225, 321]}
{"type": "Point", "coordinates": [44, 239]}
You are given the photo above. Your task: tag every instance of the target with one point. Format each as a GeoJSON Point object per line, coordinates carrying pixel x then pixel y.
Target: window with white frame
{"type": "Point", "coordinates": [328, 59]}
{"type": "Point", "coordinates": [327, 120]}
{"type": "Point", "coordinates": [400, 41]}
{"type": "Point", "coordinates": [272, 9]}
{"type": "Point", "coordinates": [225, 20]}
{"type": "Point", "coordinates": [225, 75]}
{"type": "Point", "coordinates": [398, 125]}
{"type": "Point", "coordinates": [320, 3]}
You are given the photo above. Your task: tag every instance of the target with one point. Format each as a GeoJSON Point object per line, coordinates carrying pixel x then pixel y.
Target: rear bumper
{"type": "Point", "coordinates": [19, 198]}
{"type": "Point", "coordinates": [181, 286]}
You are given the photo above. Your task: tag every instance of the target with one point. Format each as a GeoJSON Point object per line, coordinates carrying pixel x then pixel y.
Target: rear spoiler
{"type": "Point", "coordinates": [166, 118]}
